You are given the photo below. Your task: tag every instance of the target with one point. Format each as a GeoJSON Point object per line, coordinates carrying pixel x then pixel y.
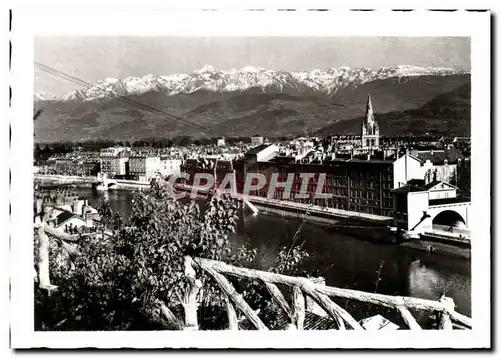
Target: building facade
{"type": "Point", "coordinates": [257, 140]}
{"type": "Point", "coordinates": [221, 142]}
{"type": "Point", "coordinates": [356, 185]}
{"type": "Point", "coordinates": [417, 207]}
{"type": "Point", "coordinates": [143, 167]}
{"type": "Point", "coordinates": [114, 161]}
{"type": "Point", "coordinates": [170, 166]}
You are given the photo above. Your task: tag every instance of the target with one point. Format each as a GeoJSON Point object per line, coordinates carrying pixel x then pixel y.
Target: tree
{"type": "Point", "coordinates": [464, 176]}
{"type": "Point", "coordinates": [118, 281]}
{"type": "Point", "coordinates": [37, 154]}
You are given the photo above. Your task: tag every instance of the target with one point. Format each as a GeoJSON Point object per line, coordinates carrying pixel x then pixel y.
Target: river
{"type": "Point", "coordinates": [343, 261]}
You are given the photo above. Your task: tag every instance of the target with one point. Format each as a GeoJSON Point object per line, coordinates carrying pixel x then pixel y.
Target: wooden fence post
{"type": "Point", "coordinates": [231, 315]}
{"type": "Point", "coordinates": [299, 308]}
{"type": "Point", "coordinates": [444, 316]}
{"type": "Point", "coordinates": [190, 303]}
{"type": "Point", "coordinates": [44, 260]}
{"type": "Point", "coordinates": [235, 297]}
{"type": "Point", "coordinates": [169, 316]}
{"type": "Point", "coordinates": [408, 318]}
{"type": "Point", "coordinates": [280, 299]}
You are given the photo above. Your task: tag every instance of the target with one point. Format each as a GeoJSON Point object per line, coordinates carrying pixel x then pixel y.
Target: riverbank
{"type": "Point", "coordinates": [86, 182]}
{"type": "Point", "coordinates": [343, 260]}
{"type": "Point", "coordinates": [357, 225]}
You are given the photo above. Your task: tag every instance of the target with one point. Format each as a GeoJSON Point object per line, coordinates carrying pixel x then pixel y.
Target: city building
{"type": "Point", "coordinates": [65, 166]}
{"type": "Point", "coordinates": [144, 167]}
{"type": "Point", "coordinates": [221, 142]}
{"type": "Point", "coordinates": [370, 135]}
{"type": "Point", "coordinates": [219, 169]}
{"type": "Point", "coordinates": [114, 161]}
{"type": "Point", "coordinates": [90, 167]}
{"type": "Point", "coordinates": [257, 140]}
{"type": "Point", "coordinates": [170, 166]}
{"type": "Point", "coordinates": [358, 185]}
{"type": "Point", "coordinates": [439, 164]}
{"type": "Point", "coordinates": [418, 207]}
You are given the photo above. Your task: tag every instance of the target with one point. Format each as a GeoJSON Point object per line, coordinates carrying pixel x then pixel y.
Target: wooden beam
{"type": "Point", "coordinates": [43, 261]}
{"type": "Point", "coordinates": [299, 308]}
{"type": "Point", "coordinates": [170, 317]}
{"type": "Point", "coordinates": [367, 297]}
{"type": "Point", "coordinates": [409, 319]}
{"type": "Point", "coordinates": [333, 309]}
{"type": "Point", "coordinates": [231, 315]}
{"type": "Point", "coordinates": [444, 317]}
{"type": "Point", "coordinates": [280, 299]}
{"type": "Point", "coordinates": [460, 318]}
{"type": "Point", "coordinates": [189, 301]}
{"type": "Point", "coordinates": [235, 297]}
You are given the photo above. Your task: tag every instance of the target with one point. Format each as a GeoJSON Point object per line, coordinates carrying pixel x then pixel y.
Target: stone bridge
{"type": "Point", "coordinates": [450, 214]}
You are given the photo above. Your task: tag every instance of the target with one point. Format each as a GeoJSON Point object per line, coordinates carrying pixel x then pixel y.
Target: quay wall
{"type": "Point", "coordinates": [357, 225]}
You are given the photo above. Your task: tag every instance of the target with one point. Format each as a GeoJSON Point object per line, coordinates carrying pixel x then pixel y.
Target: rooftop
{"type": "Point", "coordinates": [63, 217]}
{"type": "Point", "coordinates": [257, 149]}
{"type": "Point", "coordinates": [408, 189]}
{"type": "Point", "coordinates": [456, 200]}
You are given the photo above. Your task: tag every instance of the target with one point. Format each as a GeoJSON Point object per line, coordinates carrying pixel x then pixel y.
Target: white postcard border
{"type": "Point", "coordinates": [75, 20]}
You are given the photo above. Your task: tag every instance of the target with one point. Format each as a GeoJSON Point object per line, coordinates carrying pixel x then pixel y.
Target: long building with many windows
{"type": "Point", "coordinates": [356, 185]}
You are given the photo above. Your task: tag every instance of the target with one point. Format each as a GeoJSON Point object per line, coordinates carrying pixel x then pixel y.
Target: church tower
{"type": "Point", "coordinates": [369, 128]}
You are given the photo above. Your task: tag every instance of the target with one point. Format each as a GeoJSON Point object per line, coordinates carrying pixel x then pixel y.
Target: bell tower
{"type": "Point", "coordinates": [369, 128]}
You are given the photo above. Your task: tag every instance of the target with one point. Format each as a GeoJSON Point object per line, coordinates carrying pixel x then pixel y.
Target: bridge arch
{"type": "Point", "coordinates": [449, 218]}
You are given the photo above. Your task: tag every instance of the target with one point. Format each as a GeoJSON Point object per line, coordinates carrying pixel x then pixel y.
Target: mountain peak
{"type": "Point", "coordinates": [326, 81]}
{"type": "Point", "coordinates": [251, 69]}
{"type": "Point", "coordinates": [205, 69]}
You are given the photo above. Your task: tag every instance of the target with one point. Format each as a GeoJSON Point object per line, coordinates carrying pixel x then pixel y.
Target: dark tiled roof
{"type": "Point", "coordinates": [439, 156]}
{"type": "Point", "coordinates": [63, 217]}
{"type": "Point", "coordinates": [408, 189]}
{"type": "Point", "coordinates": [282, 159]}
{"type": "Point", "coordinates": [431, 184]}
{"type": "Point", "coordinates": [374, 161]}
{"type": "Point", "coordinates": [257, 149]}
{"type": "Point", "coordinates": [456, 200]}
{"type": "Point", "coordinates": [416, 182]}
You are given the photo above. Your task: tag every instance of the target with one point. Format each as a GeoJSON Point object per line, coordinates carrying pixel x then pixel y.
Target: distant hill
{"type": "Point", "coordinates": [430, 100]}
{"type": "Point", "coordinates": [447, 113]}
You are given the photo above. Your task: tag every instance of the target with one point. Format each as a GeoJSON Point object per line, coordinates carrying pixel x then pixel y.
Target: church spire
{"type": "Point", "coordinates": [369, 108]}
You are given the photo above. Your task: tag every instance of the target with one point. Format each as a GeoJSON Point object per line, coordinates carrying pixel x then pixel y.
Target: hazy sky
{"type": "Point", "coordinates": [95, 58]}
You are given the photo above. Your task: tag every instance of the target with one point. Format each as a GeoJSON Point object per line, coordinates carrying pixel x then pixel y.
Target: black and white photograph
{"type": "Point", "coordinates": [190, 184]}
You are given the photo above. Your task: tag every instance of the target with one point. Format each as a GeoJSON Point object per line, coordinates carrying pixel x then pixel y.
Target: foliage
{"type": "Point", "coordinates": [464, 177]}
{"type": "Point", "coordinates": [110, 219]}
{"type": "Point", "coordinates": [116, 280]}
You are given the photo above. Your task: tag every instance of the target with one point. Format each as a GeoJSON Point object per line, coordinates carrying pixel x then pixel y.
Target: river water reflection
{"type": "Point", "coordinates": [342, 260]}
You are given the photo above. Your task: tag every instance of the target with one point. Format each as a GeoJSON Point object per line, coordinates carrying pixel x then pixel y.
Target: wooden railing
{"type": "Point", "coordinates": [303, 287]}
{"type": "Point", "coordinates": [296, 311]}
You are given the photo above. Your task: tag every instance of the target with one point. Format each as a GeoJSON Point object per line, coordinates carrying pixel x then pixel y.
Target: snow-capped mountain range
{"type": "Point", "coordinates": [208, 78]}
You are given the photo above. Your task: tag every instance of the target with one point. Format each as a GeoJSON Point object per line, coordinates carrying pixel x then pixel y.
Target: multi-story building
{"type": "Point", "coordinates": [143, 167]}
{"type": "Point", "coordinates": [170, 166]}
{"type": "Point", "coordinates": [114, 161]}
{"type": "Point", "coordinates": [439, 164]}
{"type": "Point", "coordinates": [219, 169]}
{"type": "Point", "coordinates": [65, 166]}
{"type": "Point", "coordinates": [90, 167]}
{"type": "Point", "coordinates": [257, 140]}
{"type": "Point", "coordinates": [419, 205]}
{"type": "Point", "coordinates": [221, 142]}
{"type": "Point", "coordinates": [358, 185]}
